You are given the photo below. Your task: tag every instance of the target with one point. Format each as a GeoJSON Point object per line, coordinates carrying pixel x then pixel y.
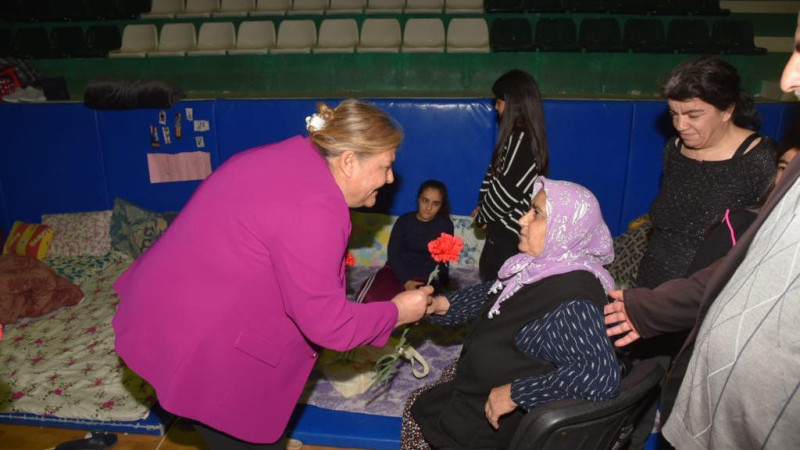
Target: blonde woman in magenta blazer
{"type": "Point", "coordinates": [225, 314]}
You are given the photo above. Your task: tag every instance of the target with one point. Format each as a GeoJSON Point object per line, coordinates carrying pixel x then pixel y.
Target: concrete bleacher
{"type": "Point", "coordinates": [625, 72]}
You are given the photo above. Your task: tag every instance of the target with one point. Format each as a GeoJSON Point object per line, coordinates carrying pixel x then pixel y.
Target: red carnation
{"type": "Point", "coordinates": [445, 248]}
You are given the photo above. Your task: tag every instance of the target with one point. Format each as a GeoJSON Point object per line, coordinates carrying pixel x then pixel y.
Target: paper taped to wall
{"type": "Point", "coordinates": [165, 167]}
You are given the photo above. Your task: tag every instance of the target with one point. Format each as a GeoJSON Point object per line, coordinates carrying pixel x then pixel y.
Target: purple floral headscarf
{"type": "Point", "coordinates": [577, 239]}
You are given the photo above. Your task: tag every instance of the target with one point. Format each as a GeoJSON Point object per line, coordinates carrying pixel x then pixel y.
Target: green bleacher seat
{"type": "Point", "coordinates": [735, 36]}
{"type": "Point", "coordinates": [693, 7]}
{"type": "Point", "coordinates": [706, 7]}
{"type": "Point", "coordinates": [104, 10]}
{"type": "Point", "coordinates": [690, 36]}
{"type": "Point", "coordinates": [69, 42]}
{"type": "Point", "coordinates": [673, 7]}
{"type": "Point", "coordinates": [645, 36]}
{"type": "Point", "coordinates": [132, 8]}
{"type": "Point", "coordinates": [634, 6]}
{"type": "Point", "coordinates": [513, 34]}
{"type": "Point", "coordinates": [586, 6]}
{"type": "Point", "coordinates": [33, 43]}
{"type": "Point", "coordinates": [504, 6]}
{"type": "Point", "coordinates": [544, 6]}
{"type": "Point", "coordinates": [43, 10]}
{"type": "Point", "coordinates": [101, 39]}
{"type": "Point", "coordinates": [600, 35]}
{"type": "Point", "coordinates": [72, 10]}
{"type": "Point", "coordinates": [556, 34]}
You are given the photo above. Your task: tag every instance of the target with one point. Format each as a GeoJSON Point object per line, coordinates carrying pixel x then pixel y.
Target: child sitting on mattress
{"type": "Point", "coordinates": [409, 261]}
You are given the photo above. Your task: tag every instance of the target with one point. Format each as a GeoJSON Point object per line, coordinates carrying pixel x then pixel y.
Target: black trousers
{"type": "Point", "coordinates": [501, 244]}
{"type": "Point", "coordinates": [217, 440]}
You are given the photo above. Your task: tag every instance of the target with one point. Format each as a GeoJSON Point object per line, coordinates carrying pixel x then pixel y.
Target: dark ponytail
{"type": "Point", "coordinates": [523, 100]}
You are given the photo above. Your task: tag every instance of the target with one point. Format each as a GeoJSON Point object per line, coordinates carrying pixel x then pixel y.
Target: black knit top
{"type": "Point", "coordinates": [694, 196]}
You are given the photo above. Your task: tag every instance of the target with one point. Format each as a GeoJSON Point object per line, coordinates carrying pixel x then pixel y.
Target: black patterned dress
{"type": "Point", "coordinates": [693, 197]}
{"type": "Point", "coordinates": [548, 342]}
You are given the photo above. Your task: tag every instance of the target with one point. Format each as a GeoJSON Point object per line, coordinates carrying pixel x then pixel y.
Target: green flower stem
{"type": "Point", "coordinates": [384, 367]}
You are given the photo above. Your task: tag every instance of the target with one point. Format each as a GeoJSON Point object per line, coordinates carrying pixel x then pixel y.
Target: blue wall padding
{"type": "Point", "coordinates": [243, 124]}
{"type": "Point", "coordinates": [589, 144]}
{"type": "Point", "coordinates": [51, 161]}
{"type": "Point", "coordinates": [650, 128]}
{"type": "Point", "coordinates": [125, 139]}
{"type": "Point", "coordinates": [4, 219]}
{"type": "Point", "coordinates": [449, 141]}
{"type": "Point", "coordinates": [66, 158]}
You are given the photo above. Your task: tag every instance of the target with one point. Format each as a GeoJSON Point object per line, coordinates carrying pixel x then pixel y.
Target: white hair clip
{"type": "Point", "coordinates": [315, 122]}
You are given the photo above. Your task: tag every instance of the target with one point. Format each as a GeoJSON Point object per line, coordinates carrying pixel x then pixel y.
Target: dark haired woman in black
{"type": "Point", "coordinates": [717, 162]}
{"type": "Point", "coordinates": [519, 157]}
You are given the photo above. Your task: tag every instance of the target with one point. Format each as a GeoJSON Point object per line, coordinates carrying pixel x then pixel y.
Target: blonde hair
{"type": "Point", "coordinates": [355, 125]}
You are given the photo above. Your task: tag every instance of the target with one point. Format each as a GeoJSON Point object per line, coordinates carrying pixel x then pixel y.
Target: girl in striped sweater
{"type": "Point", "coordinates": [520, 156]}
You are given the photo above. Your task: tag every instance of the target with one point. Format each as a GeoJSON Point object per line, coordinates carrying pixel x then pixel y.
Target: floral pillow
{"type": "Point", "coordinates": [370, 237]}
{"type": "Point", "coordinates": [629, 249]}
{"type": "Point", "coordinates": [79, 234]}
{"type": "Point", "coordinates": [134, 229]}
{"type": "Point", "coordinates": [474, 239]}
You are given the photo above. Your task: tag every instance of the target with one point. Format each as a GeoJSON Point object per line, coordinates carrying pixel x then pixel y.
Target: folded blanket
{"type": "Point", "coordinates": [30, 288]}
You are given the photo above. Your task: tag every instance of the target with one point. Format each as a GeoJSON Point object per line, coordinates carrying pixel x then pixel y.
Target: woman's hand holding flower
{"type": "Point", "coordinates": [412, 305]}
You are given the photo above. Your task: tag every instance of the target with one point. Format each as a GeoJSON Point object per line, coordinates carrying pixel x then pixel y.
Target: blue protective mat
{"type": "Point", "coordinates": [156, 423]}
{"type": "Point", "coordinates": [309, 424]}
{"type": "Point", "coordinates": [324, 427]}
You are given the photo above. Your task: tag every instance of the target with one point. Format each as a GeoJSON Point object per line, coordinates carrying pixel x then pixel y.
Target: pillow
{"type": "Point", "coordinates": [133, 228]}
{"type": "Point", "coordinates": [629, 249]}
{"type": "Point", "coordinates": [29, 288]}
{"type": "Point", "coordinates": [27, 239]}
{"type": "Point", "coordinates": [79, 234]}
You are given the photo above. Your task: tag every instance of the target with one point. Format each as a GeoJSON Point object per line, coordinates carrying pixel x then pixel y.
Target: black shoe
{"type": "Point", "coordinates": [97, 440]}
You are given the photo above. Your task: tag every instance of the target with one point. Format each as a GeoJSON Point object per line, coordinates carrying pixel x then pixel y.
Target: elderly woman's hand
{"type": "Point", "coordinates": [499, 404]}
{"type": "Point", "coordinates": [412, 305]}
{"type": "Point", "coordinates": [617, 315]}
{"type": "Point", "coordinates": [440, 305]}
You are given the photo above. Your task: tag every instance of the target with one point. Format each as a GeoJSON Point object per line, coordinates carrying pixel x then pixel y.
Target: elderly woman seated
{"type": "Point", "coordinates": [538, 332]}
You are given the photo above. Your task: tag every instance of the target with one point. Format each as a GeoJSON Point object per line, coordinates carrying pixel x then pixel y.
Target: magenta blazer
{"type": "Point", "coordinates": [226, 313]}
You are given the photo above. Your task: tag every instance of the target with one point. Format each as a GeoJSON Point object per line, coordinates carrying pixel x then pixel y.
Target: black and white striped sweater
{"type": "Point", "coordinates": [506, 196]}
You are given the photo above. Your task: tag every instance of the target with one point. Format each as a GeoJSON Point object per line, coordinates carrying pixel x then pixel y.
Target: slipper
{"type": "Point", "coordinates": [95, 440]}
